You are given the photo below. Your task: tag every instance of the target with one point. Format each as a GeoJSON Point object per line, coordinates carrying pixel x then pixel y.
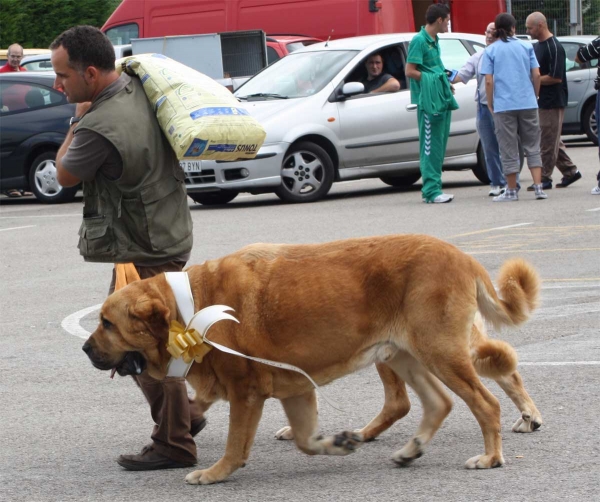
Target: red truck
{"type": "Point", "coordinates": [315, 18]}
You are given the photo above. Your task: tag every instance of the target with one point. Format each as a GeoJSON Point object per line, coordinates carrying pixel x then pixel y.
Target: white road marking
{"type": "Point", "coordinates": [38, 216]}
{"type": "Point", "coordinates": [511, 226]}
{"type": "Point", "coordinates": [71, 323]}
{"type": "Point", "coordinates": [16, 228]}
{"type": "Point", "coordinates": [595, 209]}
{"type": "Point", "coordinates": [561, 363]}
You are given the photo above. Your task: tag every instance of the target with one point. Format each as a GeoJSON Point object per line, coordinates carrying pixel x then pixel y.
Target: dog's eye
{"type": "Point", "coordinates": [106, 324]}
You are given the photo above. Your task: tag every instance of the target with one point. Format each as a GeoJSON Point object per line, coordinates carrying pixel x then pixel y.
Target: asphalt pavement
{"type": "Point", "coordinates": [63, 423]}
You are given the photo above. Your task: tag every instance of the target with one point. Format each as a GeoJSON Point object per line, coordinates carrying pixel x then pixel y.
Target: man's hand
{"type": "Point", "coordinates": [82, 108]}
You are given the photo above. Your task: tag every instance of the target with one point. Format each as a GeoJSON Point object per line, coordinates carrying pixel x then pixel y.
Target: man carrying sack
{"type": "Point", "coordinates": [135, 209]}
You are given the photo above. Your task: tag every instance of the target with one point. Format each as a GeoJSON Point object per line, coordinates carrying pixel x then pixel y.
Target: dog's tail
{"type": "Point", "coordinates": [519, 287]}
{"type": "Point", "coordinates": [491, 358]}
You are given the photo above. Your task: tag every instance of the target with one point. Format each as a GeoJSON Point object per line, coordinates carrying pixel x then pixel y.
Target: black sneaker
{"type": "Point", "coordinates": [568, 180]}
{"type": "Point", "coordinates": [546, 185]}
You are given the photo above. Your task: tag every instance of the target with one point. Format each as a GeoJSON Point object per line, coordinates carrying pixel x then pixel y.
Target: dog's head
{"type": "Point", "coordinates": [133, 330]}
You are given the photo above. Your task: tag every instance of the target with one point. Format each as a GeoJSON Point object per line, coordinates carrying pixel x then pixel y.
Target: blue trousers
{"type": "Point", "coordinates": [491, 151]}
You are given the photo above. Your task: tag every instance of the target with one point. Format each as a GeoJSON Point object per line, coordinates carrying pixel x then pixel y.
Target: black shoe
{"type": "Point", "coordinates": [198, 426]}
{"type": "Point", "coordinates": [567, 180]}
{"type": "Point", "coordinates": [546, 185]}
{"type": "Point", "coordinates": [150, 460]}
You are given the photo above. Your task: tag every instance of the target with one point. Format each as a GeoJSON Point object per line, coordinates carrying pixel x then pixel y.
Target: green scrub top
{"type": "Point", "coordinates": [425, 52]}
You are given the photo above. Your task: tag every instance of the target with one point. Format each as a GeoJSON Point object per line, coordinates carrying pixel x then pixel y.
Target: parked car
{"type": "Point", "coordinates": [580, 115]}
{"type": "Point", "coordinates": [40, 62]}
{"type": "Point", "coordinates": [34, 119]}
{"type": "Point", "coordinates": [322, 128]}
{"type": "Point", "coordinates": [26, 52]}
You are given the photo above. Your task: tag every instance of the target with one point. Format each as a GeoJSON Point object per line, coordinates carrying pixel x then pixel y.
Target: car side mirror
{"type": "Point", "coordinates": [353, 88]}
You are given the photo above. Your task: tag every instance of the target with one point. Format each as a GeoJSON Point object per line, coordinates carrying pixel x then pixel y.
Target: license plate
{"type": "Point", "coordinates": [191, 166]}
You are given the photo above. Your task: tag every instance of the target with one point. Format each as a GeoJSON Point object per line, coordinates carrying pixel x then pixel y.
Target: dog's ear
{"type": "Point", "coordinates": [152, 312]}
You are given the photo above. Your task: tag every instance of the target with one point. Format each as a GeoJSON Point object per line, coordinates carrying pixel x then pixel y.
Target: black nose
{"type": "Point", "coordinates": [87, 348]}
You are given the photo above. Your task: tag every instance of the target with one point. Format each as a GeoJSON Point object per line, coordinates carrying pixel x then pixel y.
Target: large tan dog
{"type": "Point", "coordinates": [407, 301]}
{"type": "Point", "coordinates": [493, 359]}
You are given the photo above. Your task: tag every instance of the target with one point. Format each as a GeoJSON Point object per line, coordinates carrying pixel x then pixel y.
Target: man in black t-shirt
{"type": "Point", "coordinates": [552, 102]}
{"type": "Point", "coordinates": [376, 80]}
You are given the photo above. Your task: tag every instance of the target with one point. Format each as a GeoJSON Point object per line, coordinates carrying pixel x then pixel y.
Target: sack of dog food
{"type": "Point", "coordinates": [200, 118]}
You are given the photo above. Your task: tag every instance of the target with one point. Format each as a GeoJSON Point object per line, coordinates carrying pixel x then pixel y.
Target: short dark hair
{"type": "Point", "coordinates": [86, 46]}
{"type": "Point", "coordinates": [435, 11]}
{"type": "Point", "coordinates": [375, 54]}
{"type": "Point", "coordinates": [505, 23]}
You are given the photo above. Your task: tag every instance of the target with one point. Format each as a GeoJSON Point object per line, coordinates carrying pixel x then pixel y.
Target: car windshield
{"type": "Point", "coordinates": [296, 75]}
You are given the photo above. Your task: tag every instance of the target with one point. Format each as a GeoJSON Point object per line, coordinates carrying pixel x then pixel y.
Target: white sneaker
{"type": "Point", "coordinates": [507, 196]}
{"type": "Point", "coordinates": [596, 190]}
{"type": "Point", "coordinates": [496, 190]}
{"type": "Point", "coordinates": [443, 198]}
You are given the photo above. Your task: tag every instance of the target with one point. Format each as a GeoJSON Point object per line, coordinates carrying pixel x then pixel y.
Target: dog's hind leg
{"type": "Point", "coordinates": [245, 411]}
{"type": "Point", "coordinates": [452, 365]}
{"type": "Point", "coordinates": [531, 418]}
{"type": "Point", "coordinates": [302, 415]}
{"type": "Point", "coordinates": [435, 401]}
{"type": "Point", "coordinates": [395, 407]}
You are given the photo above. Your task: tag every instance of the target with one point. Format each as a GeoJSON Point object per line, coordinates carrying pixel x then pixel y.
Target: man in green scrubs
{"type": "Point", "coordinates": [432, 92]}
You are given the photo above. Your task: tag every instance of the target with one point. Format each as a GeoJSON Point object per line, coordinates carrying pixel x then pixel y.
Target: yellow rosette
{"type": "Point", "coordinates": [187, 344]}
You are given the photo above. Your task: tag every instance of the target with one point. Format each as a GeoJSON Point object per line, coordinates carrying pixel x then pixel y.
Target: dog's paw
{"type": "Point", "coordinates": [485, 462]}
{"type": "Point", "coordinates": [528, 422]}
{"type": "Point", "coordinates": [411, 451]}
{"type": "Point", "coordinates": [343, 443]}
{"type": "Point", "coordinates": [200, 477]}
{"type": "Point", "coordinates": [285, 434]}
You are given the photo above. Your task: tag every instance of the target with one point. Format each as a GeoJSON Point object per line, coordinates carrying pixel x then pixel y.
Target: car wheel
{"type": "Point", "coordinates": [404, 180]}
{"type": "Point", "coordinates": [306, 174]}
{"type": "Point", "coordinates": [213, 198]}
{"type": "Point", "coordinates": [43, 182]}
{"type": "Point", "coordinates": [590, 122]}
{"type": "Point", "coordinates": [480, 169]}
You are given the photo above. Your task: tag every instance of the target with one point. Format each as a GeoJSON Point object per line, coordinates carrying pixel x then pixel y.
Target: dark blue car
{"type": "Point", "coordinates": [34, 119]}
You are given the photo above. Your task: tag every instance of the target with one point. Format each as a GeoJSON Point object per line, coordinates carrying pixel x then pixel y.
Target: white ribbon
{"type": "Point", "coordinates": [202, 320]}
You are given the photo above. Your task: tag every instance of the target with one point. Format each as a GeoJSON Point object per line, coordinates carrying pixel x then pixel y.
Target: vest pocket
{"type": "Point", "coordinates": [167, 214]}
{"type": "Point", "coordinates": [96, 239]}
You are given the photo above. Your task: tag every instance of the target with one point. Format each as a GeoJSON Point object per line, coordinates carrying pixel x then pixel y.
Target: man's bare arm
{"type": "Point", "coordinates": [535, 76]}
{"type": "Point", "coordinates": [412, 72]}
{"type": "Point", "coordinates": [62, 175]}
{"type": "Point", "coordinates": [548, 80]}
{"type": "Point", "coordinates": [489, 91]}
{"type": "Point", "coordinates": [392, 85]}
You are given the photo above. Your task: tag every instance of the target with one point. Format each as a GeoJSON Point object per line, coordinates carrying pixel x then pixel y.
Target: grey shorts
{"type": "Point", "coordinates": [512, 126]}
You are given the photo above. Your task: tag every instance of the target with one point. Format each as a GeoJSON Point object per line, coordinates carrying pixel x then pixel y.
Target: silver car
{"type": "Point", "coordinates": [322, 128]}
{"type": "Point", "coordinates": [580, 115]}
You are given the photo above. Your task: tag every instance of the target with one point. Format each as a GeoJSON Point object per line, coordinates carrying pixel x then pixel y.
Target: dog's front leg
{"type": "Point", "coordinates": [244, 414]}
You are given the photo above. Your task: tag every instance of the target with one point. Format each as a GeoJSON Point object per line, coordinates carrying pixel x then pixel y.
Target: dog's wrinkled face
{"type": "Point", "coordinates": [132, 333]}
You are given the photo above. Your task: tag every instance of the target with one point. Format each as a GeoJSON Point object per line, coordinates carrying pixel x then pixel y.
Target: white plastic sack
{"type": "Point", "coordinates": [200, 118]}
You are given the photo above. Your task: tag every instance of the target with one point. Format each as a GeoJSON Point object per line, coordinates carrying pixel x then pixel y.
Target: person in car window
{"type": "Point", "coordinates": [512, 85]}
{"type": "Point", "coordinates": [553, 100]}
{"type": "Point", "coordinates": [376, 80]}
{"type": "Point", "coordinates": [431, 91]}
{"type": "Point", "coordinates": [584, 54]}
{"type": "Point", "coordinates": [485, 119]}
{"type": "Point", "coordinates": [135, 209]}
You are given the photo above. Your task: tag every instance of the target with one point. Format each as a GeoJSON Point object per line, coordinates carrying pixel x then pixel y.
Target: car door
{"type": "Point", "coordinates": [378, 129]}
{"type": "Point", "coordinates": [463, 137]}
{"type": "Point", "coordinates": [29, 111]}
{"type": "Point", "coordinates": [579, 79]}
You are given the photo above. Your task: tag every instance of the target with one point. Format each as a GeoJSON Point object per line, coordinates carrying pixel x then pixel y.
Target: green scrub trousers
{"type": "Point", "coordinates": [433, 137]}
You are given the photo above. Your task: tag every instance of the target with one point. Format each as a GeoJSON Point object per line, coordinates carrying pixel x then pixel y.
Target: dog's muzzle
{"type": "Point", "coordinates": [132, 364]}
